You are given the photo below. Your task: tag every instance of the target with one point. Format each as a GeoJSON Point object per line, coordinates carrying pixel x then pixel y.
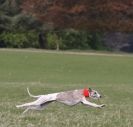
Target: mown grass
{"type": "Point", "coordinates": [52, 72]}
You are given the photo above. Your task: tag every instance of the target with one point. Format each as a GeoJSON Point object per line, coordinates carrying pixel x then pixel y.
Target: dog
{"type": "Point", "coordinates": [70, 98]}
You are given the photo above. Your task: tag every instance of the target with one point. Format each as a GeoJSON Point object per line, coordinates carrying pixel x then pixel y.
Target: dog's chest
{"type": "Point", "coordinates": [70, 97]}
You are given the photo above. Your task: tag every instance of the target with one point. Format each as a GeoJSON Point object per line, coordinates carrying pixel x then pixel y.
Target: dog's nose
{"type": "Point", "coordinates": [100, 96]}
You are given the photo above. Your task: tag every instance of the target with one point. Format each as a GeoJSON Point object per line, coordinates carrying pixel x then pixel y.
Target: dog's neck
{"type": "Point", "coordinates": [86, 92]}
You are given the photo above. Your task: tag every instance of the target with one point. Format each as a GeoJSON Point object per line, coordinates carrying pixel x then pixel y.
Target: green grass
{"type": "Point", "coordinates": [45, 72]}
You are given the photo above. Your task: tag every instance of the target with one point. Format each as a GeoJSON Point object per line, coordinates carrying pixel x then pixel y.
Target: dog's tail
{"type": "Point", "coordinates": [31, 95]}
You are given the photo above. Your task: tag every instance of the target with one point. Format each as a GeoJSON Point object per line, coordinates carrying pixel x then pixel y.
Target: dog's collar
{"type": "Point", "coordinates": [86, 92]}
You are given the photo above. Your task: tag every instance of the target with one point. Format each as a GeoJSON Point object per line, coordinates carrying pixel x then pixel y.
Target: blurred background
{"type": "Point", "coordinates": [105, 25]}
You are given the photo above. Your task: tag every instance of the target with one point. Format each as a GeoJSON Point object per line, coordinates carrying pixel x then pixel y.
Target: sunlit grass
{"type": "Point", "coordinates": [50, 72]}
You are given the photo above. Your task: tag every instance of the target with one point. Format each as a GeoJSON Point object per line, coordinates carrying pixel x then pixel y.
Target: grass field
{"type": "Point", "coordinates": [45, 72]}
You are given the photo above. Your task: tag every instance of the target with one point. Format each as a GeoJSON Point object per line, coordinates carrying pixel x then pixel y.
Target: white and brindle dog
{"type": "Point", "coordinates": [69, 98]}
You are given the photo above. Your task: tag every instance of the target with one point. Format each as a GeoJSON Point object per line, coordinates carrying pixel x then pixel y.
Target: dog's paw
{"type": "Point", "coordinates": [18, 106]}
{"type": "Point", "coordinates": [101, 106]}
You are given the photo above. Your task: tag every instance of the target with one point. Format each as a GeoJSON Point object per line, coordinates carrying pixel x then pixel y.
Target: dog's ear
{"type": "Point", "coordinates": [90, 89]}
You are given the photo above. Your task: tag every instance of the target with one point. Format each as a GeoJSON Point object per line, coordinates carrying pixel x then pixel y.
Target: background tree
{"type": "Point", "coordinates": [64, 24]}
{"type": "Point", "coordinates": [16, 28]}
{"type": "Point", "coordinates": [103, 15]}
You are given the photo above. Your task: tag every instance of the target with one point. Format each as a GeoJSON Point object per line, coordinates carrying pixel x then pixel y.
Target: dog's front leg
{"type": "Point", "coordinates": [84, 101]}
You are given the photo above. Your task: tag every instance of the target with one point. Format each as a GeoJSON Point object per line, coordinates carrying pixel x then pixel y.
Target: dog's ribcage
{"type": "Point", "coordinates": [70, 97]}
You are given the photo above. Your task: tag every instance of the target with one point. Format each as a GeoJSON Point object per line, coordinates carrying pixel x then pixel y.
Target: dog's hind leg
{"type": "Point", "coordinates": [26, 104]}
{"type": "Point", "coordinates": [32, 108]}
{"type": "Point", "coordinates": [34, 103]}
{"type": "Point", "coordinates": [39, 107]}
{"type": "Point", "coordinates": [25, 110]}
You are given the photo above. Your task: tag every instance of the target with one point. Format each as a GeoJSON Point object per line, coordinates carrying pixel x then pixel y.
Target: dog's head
{"type": "Point", "coordinates": [94, 94]}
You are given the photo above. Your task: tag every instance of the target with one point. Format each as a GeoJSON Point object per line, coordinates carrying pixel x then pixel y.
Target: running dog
{"type": "Point", "coordinates": [68, 97]}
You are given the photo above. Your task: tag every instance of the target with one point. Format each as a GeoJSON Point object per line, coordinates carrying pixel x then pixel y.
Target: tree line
{"type": "Point", "coordinates": [63, 24]}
